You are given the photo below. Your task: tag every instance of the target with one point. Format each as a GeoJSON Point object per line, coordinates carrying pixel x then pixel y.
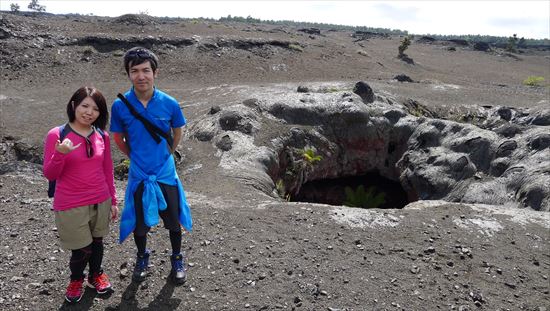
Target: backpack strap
{"type": "Point", "coordinates": [153, 130]}
{"type": "Point", "coordinates": [63, 131]}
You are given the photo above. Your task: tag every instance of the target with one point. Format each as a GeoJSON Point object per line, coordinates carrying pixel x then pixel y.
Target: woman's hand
{"type": "Point", "coordinates": [114, 212]}
{"type": "Point", "coordinates": [66, 146]}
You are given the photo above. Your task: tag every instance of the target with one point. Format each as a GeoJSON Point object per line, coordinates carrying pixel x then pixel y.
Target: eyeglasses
{"type": "Point", "coordinates": [89, 147]}
{"type": "Point", "coordinates": [139, 53]}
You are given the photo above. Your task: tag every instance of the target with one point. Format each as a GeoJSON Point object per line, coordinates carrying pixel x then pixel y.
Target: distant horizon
{"type": "Point", "coordinates": [527, 19]}
{"type": "Point", "coordinates": [275, 21]}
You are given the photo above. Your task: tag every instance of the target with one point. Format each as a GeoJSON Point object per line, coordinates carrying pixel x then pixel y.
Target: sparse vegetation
{"type": "Point", "coordinates": [521, 42]}
{"type": "Point", "coordinates": [14, 7]}
{"type": "Point", "coordinates": [417, 112]}
{"type": "Point", "coordinates": [512, 44]}
{"type": "Point", "coordinates": [533, 81]}
{"type": "Point", "coordinates": [301, 163]}
{"type": "Point", "coordinates": [250, 19]}
{"type": "Point", "coordinates": [401, 50]}
{"type": "Point", "coordinates": [295, 47]}
{"type": "Point", "coordinates": [281, 190]}
{"type": "Point", "coordinates": [34, 6]}
{"type": "Point", "coordinates": [280, 186]}
{"type": "Point", "coordinates": [500, 42]}
{"type": "Point", "coordinates": [364, 199]}
{"type": "Point", "coordinates": [331, 89]}
{"type": "Point", "coordinates": [121, 170]}
{"type": "Point", "coordinates": [310, 156]}
{"type": "Point", "coordinates": [404, 45]}
{"type": "Point", "coordinates": [493, 40]}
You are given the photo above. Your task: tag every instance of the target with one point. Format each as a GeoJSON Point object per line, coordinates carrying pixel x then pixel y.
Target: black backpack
{"type": "Point", "coordinates": [63, 131]}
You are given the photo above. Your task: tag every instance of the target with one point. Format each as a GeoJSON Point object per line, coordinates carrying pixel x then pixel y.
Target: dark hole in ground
{"type": "Point", "coordinates": [332, 191]}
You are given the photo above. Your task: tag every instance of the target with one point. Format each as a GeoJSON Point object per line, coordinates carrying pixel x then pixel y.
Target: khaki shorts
{"type": "Point", "coordinates": [77, 226]}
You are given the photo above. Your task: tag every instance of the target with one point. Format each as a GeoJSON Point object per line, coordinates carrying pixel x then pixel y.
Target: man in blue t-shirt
{"type": "Point", "coordinates": [154, 188]}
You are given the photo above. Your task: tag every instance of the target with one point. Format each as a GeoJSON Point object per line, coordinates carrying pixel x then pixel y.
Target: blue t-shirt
{"type": "Point", "coordinates": [163, 111]}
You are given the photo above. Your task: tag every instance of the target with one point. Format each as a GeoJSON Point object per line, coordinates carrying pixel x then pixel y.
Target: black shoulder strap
{"type": "Point", "coordinates": [153, 130]}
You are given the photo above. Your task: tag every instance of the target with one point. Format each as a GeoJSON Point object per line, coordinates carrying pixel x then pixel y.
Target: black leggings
{"type": "Point", "coordinates": [80, 258]}
{"type": "Point", "coordinates": [175, 241]}
{"type": "Point", "coordinates": [97, 255]}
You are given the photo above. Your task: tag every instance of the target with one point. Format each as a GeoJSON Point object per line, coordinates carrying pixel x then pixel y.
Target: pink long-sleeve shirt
{"type": "Point", "coordinates": [80, 180]}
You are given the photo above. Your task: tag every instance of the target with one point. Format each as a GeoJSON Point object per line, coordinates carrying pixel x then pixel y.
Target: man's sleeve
{"type": "Point", "coordinates": [178, 120]}
{"type": "Point", "coordinates": [116, 122]}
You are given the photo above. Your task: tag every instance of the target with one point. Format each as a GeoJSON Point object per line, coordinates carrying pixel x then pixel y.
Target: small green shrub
{"type": "Point", "coordinates": [301, 162]}
{"type": "Point", "coordinates": [404, 45]}
{"type": "Point", "coordinates": [533, 81]}
{"type": "Point", "coordinates": [364, 199]}
{"type": "Point", "coordinates": [295, 47]}
{"type": "Point", "coordinates": [310, 157]}
{"type": "Point", "coordinates": [330, 89]}
{"type": "Point", "coordinates": [121, 170]}
{"type": "Point", "coordinates": [512, 44]}
{"type": "Point", "coordinates": [280, 186]}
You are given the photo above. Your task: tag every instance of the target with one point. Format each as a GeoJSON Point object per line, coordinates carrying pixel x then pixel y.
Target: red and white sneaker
{"type": "Point", "coordinates": [74, 291]}
{"type": "Point", "coordinates": [99, 281]}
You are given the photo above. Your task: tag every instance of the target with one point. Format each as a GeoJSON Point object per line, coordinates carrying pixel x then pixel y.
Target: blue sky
{"type": "Point", "coordinates": [529, 19]}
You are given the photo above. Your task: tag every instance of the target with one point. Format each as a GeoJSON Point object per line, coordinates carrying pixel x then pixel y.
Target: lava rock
{"type": "Point", "coordinates": [403, 78]}
{"type": "Point", "coordinates": [366, 93]}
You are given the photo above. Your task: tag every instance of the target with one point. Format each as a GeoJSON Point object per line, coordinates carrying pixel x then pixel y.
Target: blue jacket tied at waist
{"type": "Point", "coordinates": [153, 199]}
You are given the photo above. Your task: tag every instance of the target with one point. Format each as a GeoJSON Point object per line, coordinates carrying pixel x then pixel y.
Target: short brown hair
{"type": "Point", "coordinates": [95, 94]}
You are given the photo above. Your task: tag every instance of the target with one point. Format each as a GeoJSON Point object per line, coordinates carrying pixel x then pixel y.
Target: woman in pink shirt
{"type": "Point", "coordinates": [85, 198]}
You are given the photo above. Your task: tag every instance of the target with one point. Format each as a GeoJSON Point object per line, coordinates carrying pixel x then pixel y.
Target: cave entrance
{"type": "Point", "coordinates": [333, 191]}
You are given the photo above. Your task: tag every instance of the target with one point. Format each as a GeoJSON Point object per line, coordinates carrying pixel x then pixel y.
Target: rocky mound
{"type": "Point", "coordinates": [261, 139]}
{"type": "Point", "coordinates": [135, 19]}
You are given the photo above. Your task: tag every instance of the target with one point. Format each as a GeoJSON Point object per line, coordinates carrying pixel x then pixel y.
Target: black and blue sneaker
{"type": "Point", "coordinates": [141, 267]}
{"type": "Point", "coordinates": [178, 274]}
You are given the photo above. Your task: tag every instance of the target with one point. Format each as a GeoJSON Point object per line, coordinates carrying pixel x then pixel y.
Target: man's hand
{"type": "Point", "coordinates": [121, 143]}
{"type": "Point", "coordinates": [178, 132]}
